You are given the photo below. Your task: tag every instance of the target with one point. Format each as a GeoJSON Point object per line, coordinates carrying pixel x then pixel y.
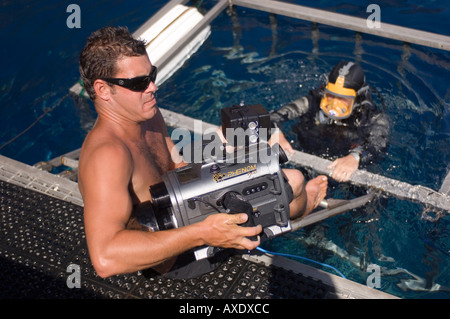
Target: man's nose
{"type": "Point", "coordinates": [151, 87]}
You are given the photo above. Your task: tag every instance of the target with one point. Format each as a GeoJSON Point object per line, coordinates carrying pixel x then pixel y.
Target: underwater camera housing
{"type": "Point", "coordinates": [254, 120]}
{"type": "Point", "coordinates": [251, 182]}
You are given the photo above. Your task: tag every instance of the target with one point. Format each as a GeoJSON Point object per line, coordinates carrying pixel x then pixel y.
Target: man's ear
{"type": "Point", "coordinates": [102, 89]}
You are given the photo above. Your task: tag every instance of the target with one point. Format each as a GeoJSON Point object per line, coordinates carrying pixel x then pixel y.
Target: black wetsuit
{"type": "Point", "coordinates": [365, 132]}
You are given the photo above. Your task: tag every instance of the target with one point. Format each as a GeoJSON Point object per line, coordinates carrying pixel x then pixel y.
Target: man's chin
{"type": "Point", "coordinates": [150, 109]}
{"type": "Point", "coordinates": [151, 104]}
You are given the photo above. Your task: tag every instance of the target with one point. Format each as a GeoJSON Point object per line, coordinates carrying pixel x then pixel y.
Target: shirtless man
{"type": "Point", "coordinates": [127, 151]}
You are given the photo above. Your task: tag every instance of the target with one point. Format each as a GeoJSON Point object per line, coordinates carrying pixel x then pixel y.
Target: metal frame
{"type": "Point", "coordinates": [348, 22]}
{"type": "Point", "coordinates": [363, 178]}
{"type": "Point", "coordinates": [342, 207]}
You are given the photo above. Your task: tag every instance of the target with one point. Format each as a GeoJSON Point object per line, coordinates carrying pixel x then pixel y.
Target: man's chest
{"type": "Point", "coordinates": [151, 160]}
{"type": "Point", "coordinates": [152, 154]}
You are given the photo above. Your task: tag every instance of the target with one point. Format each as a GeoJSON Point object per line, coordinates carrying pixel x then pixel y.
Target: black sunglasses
{"type": "Point", "coordinates": [137, 84]}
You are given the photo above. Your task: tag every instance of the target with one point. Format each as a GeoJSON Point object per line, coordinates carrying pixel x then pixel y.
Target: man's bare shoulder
{"type": "Point", "coordinates": [103, 152]}
{"type": "Point", "coordinates": [98, 142]}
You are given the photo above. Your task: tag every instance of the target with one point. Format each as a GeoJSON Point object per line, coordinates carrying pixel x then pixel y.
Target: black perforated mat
{"type": "Point", "coordinates": [42, 236]}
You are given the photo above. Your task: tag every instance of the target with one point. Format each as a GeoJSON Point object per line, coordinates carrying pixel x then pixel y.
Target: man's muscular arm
{"type": "Point", "coordinates": [108, 205]}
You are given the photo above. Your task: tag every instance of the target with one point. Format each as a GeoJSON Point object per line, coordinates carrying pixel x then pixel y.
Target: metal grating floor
{"type": "Point", "coordinates": [41, 236]}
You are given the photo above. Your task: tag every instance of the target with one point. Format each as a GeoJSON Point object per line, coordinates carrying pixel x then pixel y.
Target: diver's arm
{"type": "Point", "coordinates": [290, 111]}
{"type": "Point", "coordinates": [374, 146]}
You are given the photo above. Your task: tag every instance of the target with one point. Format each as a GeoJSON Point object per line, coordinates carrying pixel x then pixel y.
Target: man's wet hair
{"type": "Point", "coordinates": [103, 49]}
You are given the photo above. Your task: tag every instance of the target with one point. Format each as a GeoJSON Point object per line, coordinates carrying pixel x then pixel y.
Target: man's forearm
{"type": "Point", "coordinates": [133, 250]}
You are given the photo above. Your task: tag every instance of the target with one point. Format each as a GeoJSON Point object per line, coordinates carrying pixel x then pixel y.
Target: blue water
{"type": "Point", "coordinates": [244, 60]}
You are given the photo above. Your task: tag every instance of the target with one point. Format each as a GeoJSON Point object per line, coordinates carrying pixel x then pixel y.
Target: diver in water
{"type": "Point", "coordinates": [338, 121]}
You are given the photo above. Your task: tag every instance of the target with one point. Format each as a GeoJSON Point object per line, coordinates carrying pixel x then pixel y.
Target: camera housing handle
{"type": "Point", "coordinates": [234, 203]}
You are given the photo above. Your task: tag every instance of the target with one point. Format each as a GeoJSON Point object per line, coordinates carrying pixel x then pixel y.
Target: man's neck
{"type": "Point", "coordinates": [119, 124]}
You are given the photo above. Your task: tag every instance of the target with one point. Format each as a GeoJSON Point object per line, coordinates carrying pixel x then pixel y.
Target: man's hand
{"type": "Point", "coordinates": [278, 137]}
{"type": "Point", "coordinates": [223, 230]}
{"type": "Point", "coordinates": [343, 168]}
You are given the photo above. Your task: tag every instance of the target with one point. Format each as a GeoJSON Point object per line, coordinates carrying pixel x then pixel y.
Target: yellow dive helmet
{"type": "Point", "coordinates": [340, 93]}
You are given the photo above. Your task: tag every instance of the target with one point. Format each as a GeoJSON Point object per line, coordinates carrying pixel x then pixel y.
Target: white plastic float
{"type": "Point", "coordinates": [163, 35]}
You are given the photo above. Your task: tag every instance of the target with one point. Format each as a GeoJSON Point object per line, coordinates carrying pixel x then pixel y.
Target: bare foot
{"type": "Point", "coordinates": [316, 190]}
